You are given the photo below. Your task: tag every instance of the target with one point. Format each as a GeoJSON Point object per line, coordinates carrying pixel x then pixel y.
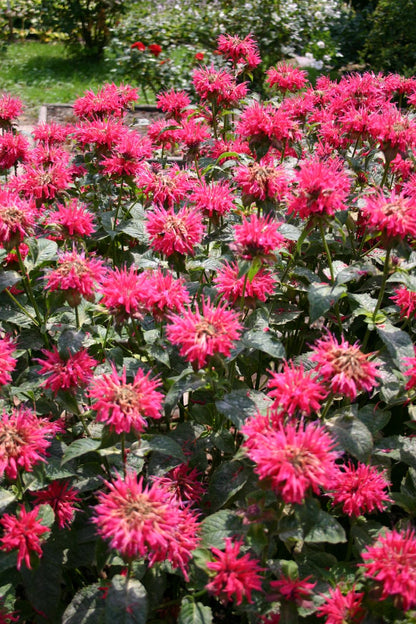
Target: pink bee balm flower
{"type": "Point", "coordinates": [292, 590]}
{"type": "Point", "coordinates": [391, 562]}
{"type": "Point", "coordinates": [23, 532]}
{"type": "Point", "coordinates": [200, 336]}
{"type": "Point", "coordinates": [394, 216]}
{"type": "Point", "coordinates": [166, 187]}
{"type": "Point", "coordinates": [24, 440]}
{"type": "Point", "coordinates": [7, 361]}
{"type": "Point", "coordinates": [71, 220]}
{"type": "Point", "coordinates": [257, 237]}
{"type": "Point", "coordinates": [286, 78]}
{"type": "Point", "coordinates": [77, 275]}
{"type": "Point", "coordinates": [125, 406]}
{"type": "Point", "coordinates": [43, 182]}
{"type": "Point", "coordinates": [146, 521]}
{"type": "Point", "coordinates": [10, 108]}
{"type": "Point", "coordinates": [13, 149]}
{"type": "Point", "coordinates": [173, 103]}
{"type": "Point", "coordinates": [405, 299]}
{"type": "Point", "coordinates": [262, 180]}
{"type": "Point", "coordinates": [51, 133]}
{"type": "Point", "coordinates": [213, 199]}
{"type": "Point", "coordinates": [175, 232]}
{"type": "Point", "coordinates": [111, 100]}
{"type": "Point", "coordinates": [411, 372]}
{"type": "Point", "coordinates": [126, 155]}
{"type": "Point", "coordinates": [234, 288]}
{"type": "Point", "coordinates": [66, 373]}
{"type": "Point", "coordinates": [240, 51]}
{"type": "Point", "coordinates": [217, 86]}
{"type": "Point", "coordinates": [125, 293]}
{"type": "Point", "coordinates": [339, 608]}
{"type": "Point", "coordinates": [61, 497]}
{"type": "Point", "coordinates": [360, 489]}
{"type": "Point", "coordinates": [236, 575]}
{"type": "Point", "coordinates": [184, 483]}
{"type": "Point", "coordinates": [17, 219]}
{"type": "Point", "coordinates": [343, 367]}
{"type": "Point", "coordinates": [296, 390]}
{"type": "Point", "coordinates": [165, 293]}
{"type": "Point", "coordinates": [321, 188]}
{"type": "Point", "coordinates": [294, 458]}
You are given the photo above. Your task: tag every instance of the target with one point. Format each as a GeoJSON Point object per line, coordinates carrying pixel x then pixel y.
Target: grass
{"type": "Point", "coordinates": [43, 73]}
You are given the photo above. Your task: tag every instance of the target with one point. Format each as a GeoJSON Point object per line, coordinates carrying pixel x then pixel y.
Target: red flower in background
{"type": "Point", "coordinates": [138, 45]}
{"type": "Point", "coordinates": [199, 56]}
{"type": "Point", "coordinates": [155, 49]}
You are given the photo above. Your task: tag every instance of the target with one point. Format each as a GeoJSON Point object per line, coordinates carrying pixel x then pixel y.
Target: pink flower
{"type": "Point", "coordinates": [321, 188]}
{"type": "Point", "coordinates": [234, 288]}
{"type": "Point", "coordinates": [5, 617]}
{"type": "Point", "coordinates": [51, 133]}
{"type": "Point", "coordinates": [411, 362]}
{"type": "Point", "coordinates": [213, 199]}
{"type": "Point", "coordinates": [23, 532]}
{"type": "Point", "coordinates": [391, 562]}
{"type": "Point", "coordinates": [66, 373]}
{"type": "Point", "coordinates": [99, 134]}
{"type": "Point", "coordinates": [7, 361]}
{"type": "Point", "coordinates": [240, 51]}
{"type": "Point", "coordinates": [339, 608]}
{"type": "Point", "coordinates": [110, 101]}
{"type": "Point", "coordinates": [295, 458]}
{"type": "Point", "coordinates": [77, 275]}
{"type": "Point", "coordinates": [394, 216]}
{"type": "Point", "coordinates": [175, 232]}
{"type": "Point", "coordinates": [292, 590]}
{"type": "Point", "coordinates": [155, 49]}
{"type": "Point", "coordinates": [360, 489]}
{"type": "Point", "coordinates": [10, 108]}
{"type": "Point", "coordinates": [138, 45]}
{"type": "Point", "coordinates": [285, 77]}
{"type": "Point", "coordinates": [72, 220]}
{"type": "Point", "coordinates": [200, 336]}
{"type": "Point", "coordinates": [126, 155]}
{"type": "Point", "coordinates": [184, 483]}
{"type": "Point", "coordinates": [218, 86]}
{"type": "Point", "coordinates": [126, 406]}
{"type": "Point", "coordinates": [257, 237]}
{"type": "Point", "coordinates": [192, 133]}
{"type": "Point", "coordinates": [17, 219]}
{"type": "Point", "coordinates": [61, 497]}
{"type": "Point", "coordinates": [235, 576]}
{"type": "Point", "coordinates": [296, 390]}
{"type": "Point", "coordinates": [24, 439]}
{"type": "Point", "coordinates": [166, 187]}
{"type": "Point", "coordinates": [405, 299]}
{"type": "Point", "coordinates": [146, 521]}
{"type": "Point", "coordinates": [13, 149]}
{"type": "Point", "coordinates": [165, 293]}
{"type": "Point", "coordinates": [262, 180]}
{"type": "Point", "coordinates": [125, 293]}
{"type": "Point", "coordinates": [173, 103]}
{"type": "Point", "coordinates": [343, 367]}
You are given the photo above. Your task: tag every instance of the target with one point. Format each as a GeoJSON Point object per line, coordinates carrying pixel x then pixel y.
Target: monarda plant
{"type": "Point", "coordinates": [207, 359]}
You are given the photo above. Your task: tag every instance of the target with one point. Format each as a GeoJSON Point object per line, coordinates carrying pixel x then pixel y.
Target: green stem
{"type": "Point", "coordinates": [77, 317]}
{"type": "Point", "coordinates": [327, 251]}
{"type": "Point", "coordinates": [299, 244]}
{"type": "Point", "coordinates": [123, 453]}
{"type": "Point", "coordinates": [380, 295]}
{"type": "Point", "coordinates": [22, 308]}
{"type": "Point", "coordinates": [27, 286]}
{"type": "Point", "coordinates": [328, 404]}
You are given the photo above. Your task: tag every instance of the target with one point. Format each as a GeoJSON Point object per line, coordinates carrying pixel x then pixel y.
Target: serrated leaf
{"type": "Point", "coordinates": [265, 341]}
{"type": "Point", "coordinates": [238, 405]}
{"type": "Point", "coordinates": [70, 341]}
{"type": "Point", "coordinates": [352, 435]}
{"type": "Point", "coordinates": [126, 602]}
{"type": "Point", "coordinates": [398, 343]}
{"type": "Point", "coordinates": [166, 446]}
{"type": "Point", "coordinates": [373, 418]}
{"type": "Point", "coordinates": [227, 479]}
{"type": "Point", "coordinates": [79, 448]}
{"type": "Point", "coordinates": [325, 528]}
{"type": "Point", "coordinates": [41, 250]}
{"type": "Point", "coordinates": [322, 297]}
{"type": "Point", "coordinates": [86, 607]}
{"type": "Point", "coordinates": [194, 613]}
{"type": "Point", "coordinates": [218, 526]}
{"type": "Point", "coordinates": [6, 498]}
{"type": "Point", "coordinates": [8, 279]}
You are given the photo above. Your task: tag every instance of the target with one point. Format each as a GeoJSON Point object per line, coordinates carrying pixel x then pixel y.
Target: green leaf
{"type": "Point", "coordinates": [352, 435]}
{"type": "Point", "coordinates": [185, 382]}
{"type": "Point", "coordinates": [238, 405]}
{"type": "Point", "coordinates": [373, 418]}
{"type": "Point", "coordinates": [126, 602]}
{"type": "Point", "coordinates": [166, 446]}
{"type": "Point", "coordinates": [6, 497]}
{"type": "Point", "coordinates": [194, 613]}
{"type": "Point", "coordinates": [227, 479]}
{"type": "Point", "coordinates": [218, 526]}
{"type": "Point", "coordinates": [70, 341]}
{"type": "Point", "coordinates": [265, 341]}
{"type": "Point", "coordinates": [311, 524]}
{"type": "Point", "coordinates": [79, 448]}
{"type": "Point", "coordinates": [398, 342]}
{"type": "Point", "coordinates": [322, 297]}
{"type": "Point", "coordinates": [41, 250]}
{"type": "Point", "coordinates": [8, 278]}
{"type": "Point", "coordinates": [325, 528]}
{"type": "Point", "coordinates": [86, 607]}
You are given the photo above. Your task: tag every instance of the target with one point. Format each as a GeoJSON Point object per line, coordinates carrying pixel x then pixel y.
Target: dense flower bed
{"type": "Point", "coordinates": [206, 356]}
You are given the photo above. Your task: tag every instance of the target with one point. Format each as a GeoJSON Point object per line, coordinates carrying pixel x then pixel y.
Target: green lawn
{"type": "Point", "coordinates": [42, 73]}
